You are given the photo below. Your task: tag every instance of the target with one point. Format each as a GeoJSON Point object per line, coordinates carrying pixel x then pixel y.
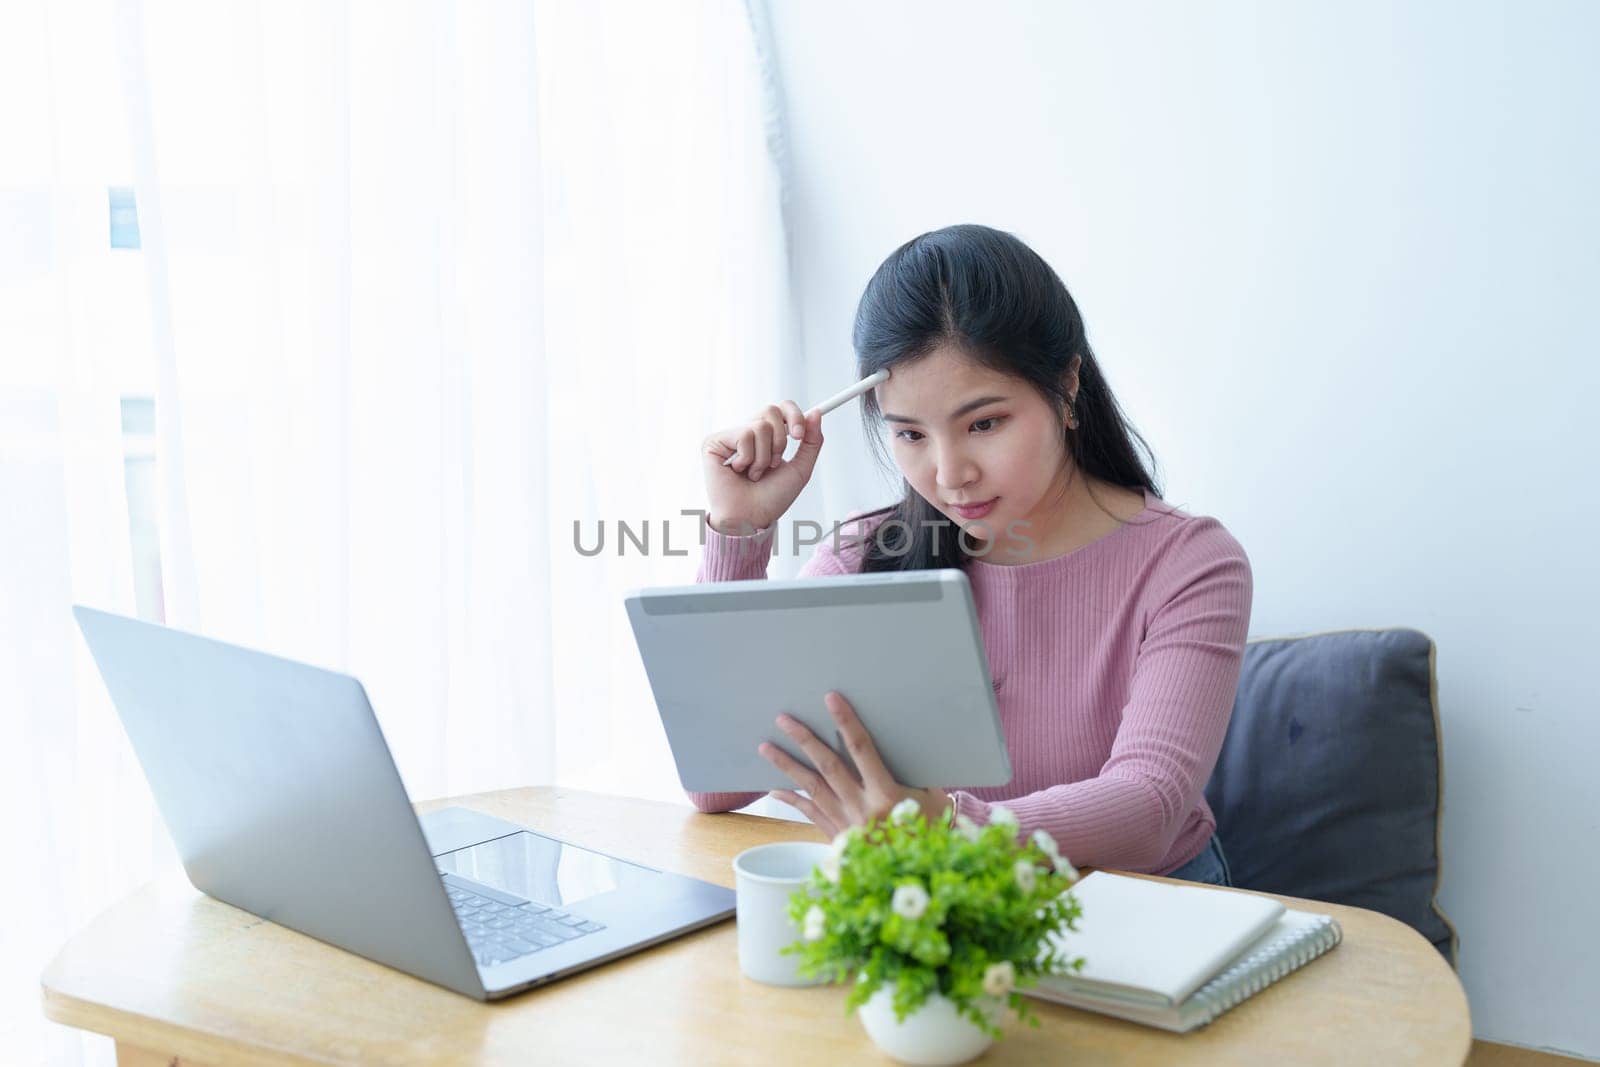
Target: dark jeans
{"type": "Point", "coordinates": [1210, 866]}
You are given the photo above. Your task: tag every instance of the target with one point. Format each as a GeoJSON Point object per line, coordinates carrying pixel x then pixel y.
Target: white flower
{"type": "Point", "coordinates": [910, 900]}
{"type": "Point", "coordinates": [833, 859]}
{"type": "Point", "coordinates": [967, 828]}
{"type": "Point", "coordinates": [1026, 875]}
{"type": "Point", "coordinates": [814, 924]}
{"type": "Point", "coordinates": [1048, 846]}
{"type": "Point", "coordinates": [1002, 816]}
{"type": "Point", "coordinates": [904, 811]}
{"type": "Point", "coordinates": [998, 978]}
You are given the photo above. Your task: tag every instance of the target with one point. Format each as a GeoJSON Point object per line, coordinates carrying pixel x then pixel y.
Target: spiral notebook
{"type": "Point", "coordinates": [1178, 956]}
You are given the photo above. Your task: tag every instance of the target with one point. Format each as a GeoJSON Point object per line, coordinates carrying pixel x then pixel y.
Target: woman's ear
{"type": "Point", "coordinates": [1069, 380]}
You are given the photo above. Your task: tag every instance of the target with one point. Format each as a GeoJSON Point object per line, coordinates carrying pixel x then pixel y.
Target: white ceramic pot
{"type": "Point", "coordinates": [935, 1035]}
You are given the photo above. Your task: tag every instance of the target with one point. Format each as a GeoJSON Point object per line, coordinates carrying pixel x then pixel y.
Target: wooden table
{"type": "Point", "coordinates": [177, 977]}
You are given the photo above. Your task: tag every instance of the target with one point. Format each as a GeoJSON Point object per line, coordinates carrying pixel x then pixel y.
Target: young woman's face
{"type": "Point", "coordinates": [963, 434]}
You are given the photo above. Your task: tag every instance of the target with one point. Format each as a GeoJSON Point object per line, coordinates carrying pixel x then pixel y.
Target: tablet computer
{"type": "Point", "coordinates": [725, 658]}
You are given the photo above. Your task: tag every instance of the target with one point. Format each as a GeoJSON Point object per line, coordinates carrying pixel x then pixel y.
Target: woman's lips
{"type": "Point", "coordinates": [977, 511]}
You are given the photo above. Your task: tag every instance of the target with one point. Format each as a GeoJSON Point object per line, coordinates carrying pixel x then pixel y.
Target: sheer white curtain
{"type": "Point", "coordinates": [420, 291]}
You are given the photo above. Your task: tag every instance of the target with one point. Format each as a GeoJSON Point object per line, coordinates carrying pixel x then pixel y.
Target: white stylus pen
{"type": "Point", "coordinates": [840, 397]}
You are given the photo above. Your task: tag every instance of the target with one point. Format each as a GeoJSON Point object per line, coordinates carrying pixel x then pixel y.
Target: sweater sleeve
{"type": "Point", "coordinates": [731, 557]}
{"type": "Point", "coordinates": [1185, 678]}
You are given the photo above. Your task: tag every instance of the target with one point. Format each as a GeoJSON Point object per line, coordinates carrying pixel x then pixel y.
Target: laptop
{"type": "Point", "coordinates": [282, 798]}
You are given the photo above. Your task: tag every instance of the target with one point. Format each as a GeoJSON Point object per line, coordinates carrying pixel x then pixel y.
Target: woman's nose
{"type": "Point", "coordinates": [954, 471]}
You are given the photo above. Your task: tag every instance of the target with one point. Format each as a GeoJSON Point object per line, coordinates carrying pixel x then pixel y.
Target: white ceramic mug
{"type": "Point", "coordinates": [764, 877]}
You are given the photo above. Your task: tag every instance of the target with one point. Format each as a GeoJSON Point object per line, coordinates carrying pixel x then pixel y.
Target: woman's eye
{"type": "Point", "coordinates": [988, 425]}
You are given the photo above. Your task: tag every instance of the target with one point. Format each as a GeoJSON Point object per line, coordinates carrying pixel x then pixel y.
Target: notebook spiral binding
{"type": "Point", "coordinates": [1278, 957]}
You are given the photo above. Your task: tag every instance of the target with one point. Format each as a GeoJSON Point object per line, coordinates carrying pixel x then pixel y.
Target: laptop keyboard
{"type": "Point", "coordinates": [502, 927]}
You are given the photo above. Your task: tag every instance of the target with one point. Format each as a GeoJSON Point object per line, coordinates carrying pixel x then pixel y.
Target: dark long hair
{"type": "Point", "coordinates": [987, 293]}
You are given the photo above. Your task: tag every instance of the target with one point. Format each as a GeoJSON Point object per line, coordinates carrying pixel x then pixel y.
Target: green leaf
{"type": "Point", "coordinates": [977, 915]}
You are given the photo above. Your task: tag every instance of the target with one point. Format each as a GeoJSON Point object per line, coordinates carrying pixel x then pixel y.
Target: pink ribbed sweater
{"type": "Point", "coordinates": [1115, 668]}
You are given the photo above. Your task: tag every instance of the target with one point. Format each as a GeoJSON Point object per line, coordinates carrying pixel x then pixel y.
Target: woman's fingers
{"type": "Point", "coordinates": [745, 445]}
{"type": "Point", "coordinates": [822, 794]}
{"type": "Point", "coordinates": [834, 769]}
{"type": "Point", "coordinates": [785, 418]}
{"type": "Point", "coordinates": [795, 418]}
{"type": "Point", "coordinates": [838, 775]}
{"type": "Point", "coordinates": [808, 809]}
{"type": "Point", "coordinates": [760, 444]}
{"type": "Point", "coordinates": [778, 427]}
{"type": "Point", "coordinates": [859, 743]}
{"type": "Point", "coordinates": [761, 457]}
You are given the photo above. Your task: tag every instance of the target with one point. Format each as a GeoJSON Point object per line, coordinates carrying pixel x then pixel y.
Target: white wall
{"type": "Point", "coordinates": [1340, 264]}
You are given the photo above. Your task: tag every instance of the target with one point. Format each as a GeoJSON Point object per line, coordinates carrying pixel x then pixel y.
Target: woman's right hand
{"type": "Point", "coordinates": [756, 489]}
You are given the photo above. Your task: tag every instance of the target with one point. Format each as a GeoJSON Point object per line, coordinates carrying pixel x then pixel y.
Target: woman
{"type": "Point", "coordinates": [1114, 624]}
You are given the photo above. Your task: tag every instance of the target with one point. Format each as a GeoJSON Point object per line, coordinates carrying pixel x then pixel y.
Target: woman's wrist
{"type": "Point", "coordinates": [733, 527]}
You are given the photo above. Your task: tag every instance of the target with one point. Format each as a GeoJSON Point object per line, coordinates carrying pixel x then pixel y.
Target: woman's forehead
{"type": "Point", "coordinates": [945, 377]}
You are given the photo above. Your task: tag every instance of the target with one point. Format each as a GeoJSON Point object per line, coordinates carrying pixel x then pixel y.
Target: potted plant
{"type": "Point", "coordinates": [938, 925]}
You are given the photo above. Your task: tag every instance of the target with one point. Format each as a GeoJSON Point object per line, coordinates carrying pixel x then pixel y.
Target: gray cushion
{"type": "Point", "coordinates": [1329, 784]}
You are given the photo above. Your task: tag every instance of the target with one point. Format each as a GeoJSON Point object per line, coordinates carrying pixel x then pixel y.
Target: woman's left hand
{"type": "Point", "coordinates": [838, 799]}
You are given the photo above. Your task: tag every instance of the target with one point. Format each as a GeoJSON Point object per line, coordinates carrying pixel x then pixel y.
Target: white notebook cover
{"type": "Point", "coordinates": [1154, 943]}
{"type": "Point", "coordinates": [1289, 944]}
